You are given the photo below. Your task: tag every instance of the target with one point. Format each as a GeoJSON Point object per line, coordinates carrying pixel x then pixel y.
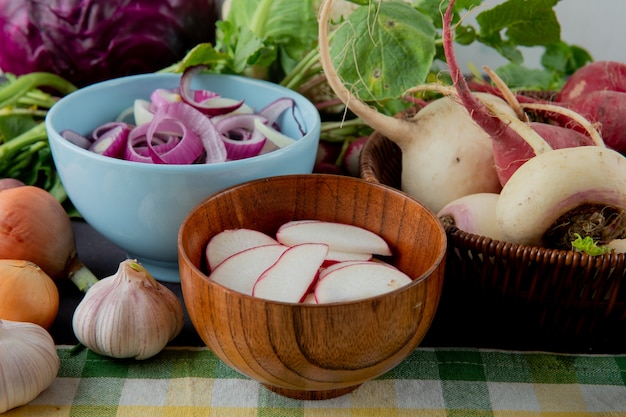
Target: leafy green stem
{"type": "Point", "coordinates": [12, 91]}
{"type": "Point", "coordinates": [302, 70]}
{"type": "Point", "coordinates": [15, 145]}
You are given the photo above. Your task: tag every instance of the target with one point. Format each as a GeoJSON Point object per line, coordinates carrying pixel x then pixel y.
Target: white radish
{"type": "Point", "coordinates": [445, 155]}
{"type": "Point", "coordinates": [473, 213]}
{"type": "Point", "coordinates": [617, 245]}
{"type": "Point", "coordinates": [551, 184]}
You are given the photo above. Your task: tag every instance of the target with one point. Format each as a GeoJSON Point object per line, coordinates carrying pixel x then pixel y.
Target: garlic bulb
{"type": "Point", "coordinates": [128, 315]}
{"type": "Point", "coordinates": [29, 363]}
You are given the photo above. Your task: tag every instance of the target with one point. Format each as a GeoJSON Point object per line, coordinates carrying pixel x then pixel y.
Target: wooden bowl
{"type": "Point", "coordinates": [314, 351]}
{"type": "Point", "coordinates": [565, 300]}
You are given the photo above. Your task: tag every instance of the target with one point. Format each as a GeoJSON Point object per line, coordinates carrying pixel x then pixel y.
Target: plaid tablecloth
{"type": "Point", "coordinates": [190, 382]}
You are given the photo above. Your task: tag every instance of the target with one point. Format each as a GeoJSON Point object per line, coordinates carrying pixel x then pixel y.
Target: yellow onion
{"type": "Point", "coordinates": [27, 293]}
{"type": "Point", "coordinates": [35, 227]}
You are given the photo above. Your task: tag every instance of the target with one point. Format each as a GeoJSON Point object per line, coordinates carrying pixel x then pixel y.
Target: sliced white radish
{"type": "Point", "coordinates": [330, 268]}
{"type": "Point", "coordinates": [229, 242]}
{"type": "Point", "coordinates": [340, 256]}
{"type": "Point", "coordinates": [309, 299]}
{"type": "Point", "coordinates": [358, 280]}
{"type": "Point", "coordinates": [240, 271]}
{"type": "Point", "coordinates": [338, 237]}
{"type": "Point", "coordinates": [290, 278]}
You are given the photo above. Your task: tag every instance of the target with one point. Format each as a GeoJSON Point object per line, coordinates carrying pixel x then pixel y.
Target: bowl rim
{"type": "Point", "coordinates": [439, 261]}
{"type": "Point", "coordinates": [308, 108]}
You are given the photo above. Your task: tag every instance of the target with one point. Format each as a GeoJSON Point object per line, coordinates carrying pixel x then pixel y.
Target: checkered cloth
{"type": "Point", "coordinates": [188, 382]}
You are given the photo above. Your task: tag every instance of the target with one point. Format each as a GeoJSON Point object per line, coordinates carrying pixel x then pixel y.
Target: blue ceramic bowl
{"type": "Point", "coordinates": [139, 207]}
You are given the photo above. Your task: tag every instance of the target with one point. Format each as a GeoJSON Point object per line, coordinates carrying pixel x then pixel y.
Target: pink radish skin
{"type": "Point", "coordinates": [474, 213]}
{"type": "Point", "coordinates": [443, 157]}
{"type": "Point", "coordinates": [606, 108]}
{"type": "Point", "coordinates": [352, 157]}
{"type": "Point", "coordinates": [510, 149]}
{"type": "Point", "coordinates": [595, 76]}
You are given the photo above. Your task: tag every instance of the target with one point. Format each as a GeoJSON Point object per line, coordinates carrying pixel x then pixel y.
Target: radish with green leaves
{"type": "Point", "coordinates": [445, 154]}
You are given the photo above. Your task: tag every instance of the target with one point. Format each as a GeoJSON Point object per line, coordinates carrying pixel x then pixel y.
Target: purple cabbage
{"type": "Point", "coordinates": [87, 41]}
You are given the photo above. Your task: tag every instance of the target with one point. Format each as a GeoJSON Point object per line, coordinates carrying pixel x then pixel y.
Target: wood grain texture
{"type": "Point", "coordinates": [314, 351]}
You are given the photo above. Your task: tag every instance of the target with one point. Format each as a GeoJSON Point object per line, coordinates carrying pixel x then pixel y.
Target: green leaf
{"type": "Point", "coordinates": [202, 54]}
{"type": "Point", "coordinates": [433, 9]}
{"type": "Point", "coordinates": [519, 77]}
{"type": "Point", "coordinates": [384, 49]}
{"type": "Point", "coordinates": [525, 23]}
{"type": "Point", "coordinates": [588, 246]}
{"type": "Point", "coordinates": [13, 125]}
{"type": "Point", "coordinates": [282, 20]}
{"type": "Point", "coordinates": [564, 58]}
{"type": "Point", "coordinates": [251, 50]}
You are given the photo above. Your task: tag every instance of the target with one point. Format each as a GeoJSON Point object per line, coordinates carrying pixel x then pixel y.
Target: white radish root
{"type": "Point", "coordinates": [549, 185]}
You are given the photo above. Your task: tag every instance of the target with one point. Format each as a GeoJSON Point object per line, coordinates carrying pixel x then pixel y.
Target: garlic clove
{"type": "Point", "coordinates": [29, 363]}
{"type": "Point", "coordinates": [128, 315]}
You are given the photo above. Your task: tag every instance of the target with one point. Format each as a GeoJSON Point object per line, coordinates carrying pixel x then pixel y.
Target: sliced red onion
{"type": "Point", "coordinates": [141, 112]}
{"type": "Point", "coordinates": [184, 126]}
{"type": "Point", "coordinates": [202, 95]}
{"type": "Point", "coordinates": [273, 135]}
{"type": "Point", "coordinates": [110, 139]}
{"type": "Point", "coordinates": [137, 148]}
{"type": "Point", "coordinates": [277, 107]}
{"type": "Point", "coordinates": [76, 138]}
{"type": "Point", "coordinates": [213, 105]}
{"type": "Point", "coordinates": [162, 96]}
{"type": "Point", "coordinates": [241, 138]}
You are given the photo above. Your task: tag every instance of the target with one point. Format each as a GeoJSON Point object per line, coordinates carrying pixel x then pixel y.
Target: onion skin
{"type": "Point", "coordinates": [27, 294]}
{"type": "Point", "coordinates": [35, 227]}
{"type": "Point", "coordinates": [6, 183]}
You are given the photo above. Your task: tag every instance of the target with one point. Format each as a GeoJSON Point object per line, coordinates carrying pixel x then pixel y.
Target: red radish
{"type": "Point", "coordinates": [606, 108]}
{"type": "Point", "coordinates": [443, 157]}
{"type": "Point", "coordinates": [357, 280]}
{"type": "Point", "coordinates": [240, 271]}
{"type": "Point", "coordinates": [337, 236]}
{"type": "Point", "coordinates": [473, 213]}
{"type": "Point", "coordinates": [290, 277]}
{"type": "Point", "coordinates": [595, 76]}
{"type": "Point", "coordinates": [229, 242]}
{"type": "Point", "coordinates": [352, 156]}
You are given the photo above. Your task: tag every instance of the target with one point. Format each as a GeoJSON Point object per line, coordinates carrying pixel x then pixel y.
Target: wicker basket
{"type": "Point", "coordinates": [562, 296]}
